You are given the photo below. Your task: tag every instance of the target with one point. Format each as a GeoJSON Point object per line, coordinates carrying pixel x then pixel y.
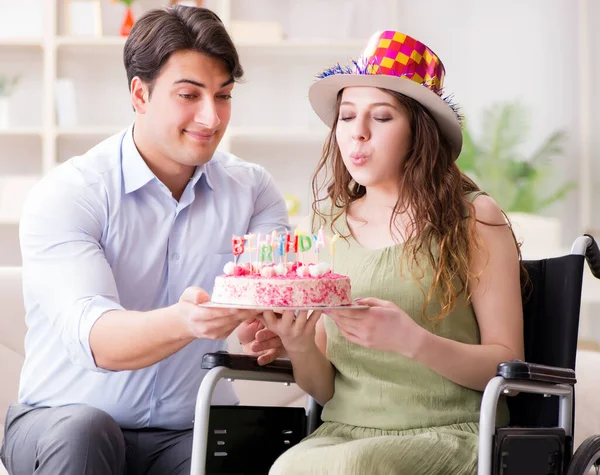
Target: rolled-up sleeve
{"type": "Point", "coordinates": [270, 212]}
{"type": "Point", "coordinates": [65, 271]}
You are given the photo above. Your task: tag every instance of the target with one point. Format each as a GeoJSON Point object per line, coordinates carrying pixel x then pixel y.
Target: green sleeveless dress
{"type": "Point", "coordinates": [390, 414]}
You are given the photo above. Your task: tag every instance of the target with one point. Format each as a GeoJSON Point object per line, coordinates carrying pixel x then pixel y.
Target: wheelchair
{"type": "Point", "coordinates": [246, 440]}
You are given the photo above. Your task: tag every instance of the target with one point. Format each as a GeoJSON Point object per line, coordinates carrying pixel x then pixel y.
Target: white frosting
{"type": "Point", "coordinates": [280, 269]}
{"type": "Point", "coordinates": [320, 269]}
{"type": "Point", "coordinates": [229, 268]}
{"type": "Point", "coordinates": [268, 272]}
{"type": "Point", "coordinates": [303, 271]}
{"type": "Point", "coordinates": [325, 266]}
{"type": "Point", "coordinates": [285, 292]}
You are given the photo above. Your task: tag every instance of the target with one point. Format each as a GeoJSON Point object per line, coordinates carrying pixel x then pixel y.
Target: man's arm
{"type": "Point", "coordinates": [125, 340]}
{"type": "Point", "coordinates": [270, 213]}
{"type": "Point", "coordinates": [68, 276]}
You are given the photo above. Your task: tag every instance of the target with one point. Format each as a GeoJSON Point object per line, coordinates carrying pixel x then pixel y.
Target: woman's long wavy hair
{"type": "Point", "coordinates": [433, 188]}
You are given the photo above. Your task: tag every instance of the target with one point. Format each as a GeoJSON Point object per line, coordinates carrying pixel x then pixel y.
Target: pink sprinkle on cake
{"type": "Point", "coordinates": [282, 286]}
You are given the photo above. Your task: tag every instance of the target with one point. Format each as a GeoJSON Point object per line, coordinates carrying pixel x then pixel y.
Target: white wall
{"type": "Point", "coordinates": [492, 51]}
{"type": "Point", "coordinates": [514, 49]}
{"type": "Point", "coordinates": [593, 26]}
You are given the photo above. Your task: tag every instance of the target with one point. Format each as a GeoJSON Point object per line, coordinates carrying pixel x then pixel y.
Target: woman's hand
{"type": "Point", "coordinates": [383, 326]}
{"type": "Point", "coordinates": [296, 330]}
{"type": "Point", "coordinates": [256, 340]}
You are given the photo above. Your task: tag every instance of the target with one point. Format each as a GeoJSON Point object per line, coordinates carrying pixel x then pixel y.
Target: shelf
{"type": "Point", "coordinates": [276, 134]}
{"type": "Point", "coordinates": [300, 46]}
{"type": "Point", "coordinates": [13, 191]}
{"type": "Point", "coordinates": [21, 132]}
{"type": "Point", "coordinates": [21, 42]}
{"type": "Point", "coordinates": [353, 47]}
{"type": "Point", "coordinates": [316, 46]}
{"type": "Point", "coordinates": [91, 131]}
{"type": "Point", "coordinates": [87, 41]}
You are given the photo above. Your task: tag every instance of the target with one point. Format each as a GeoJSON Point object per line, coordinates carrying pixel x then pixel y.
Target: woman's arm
{"type": "Point", "coordinates": [496, 298]}
{"type": "Point", "coordinates": [313, 372]}
{"type": "Point", "coordinates": [303, 337]}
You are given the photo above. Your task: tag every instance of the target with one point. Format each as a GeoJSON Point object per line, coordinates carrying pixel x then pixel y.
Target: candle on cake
{"type": "Point", "coordinates": [265, 283]}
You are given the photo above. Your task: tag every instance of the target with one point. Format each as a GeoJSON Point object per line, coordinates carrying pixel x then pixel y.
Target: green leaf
{"type": "Point", "coordinates": [8, 85]}
{"type": "Point", "coordinates": [557, 195]}
{"type": "Point", "coordinates": [517, 182]}
{"type": "Point", "coordinates": [466, 159]}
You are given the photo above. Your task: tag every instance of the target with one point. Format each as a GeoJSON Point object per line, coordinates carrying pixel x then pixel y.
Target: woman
{"type": "Point", "coordinates": [432, 257]}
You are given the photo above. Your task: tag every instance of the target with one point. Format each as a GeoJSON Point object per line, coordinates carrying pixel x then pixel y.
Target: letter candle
{"type": "Point", "coordinates": [264, 247]}
{"type": "Point", "coordinates": [237, 243]}
{"type": "Point", "coordinates": [266, 253]}
{"type": "Point", "coordinates": [281, 245]}
{"type": "Point", "coordinates": [270, 245]}
{"type": "Point", "coordinates": [318, 241]}
{"type": "Point", "coordinates": [291, 242]}
{"type": "Point", "coordinates": [249, 238]}
{"type": "Point", "coordinates": [301, 244]}
{"type": "Point", "coordinates": [273, 245]}
{"type": "Point", "coordinates": [304, 244]}
{"type": "Point", "coordinates": [333, 240]}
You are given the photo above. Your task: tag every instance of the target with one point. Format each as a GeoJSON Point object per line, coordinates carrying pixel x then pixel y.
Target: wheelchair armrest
{"type": "Point", "coordinates": [245, 363]}
{"type": "Point", "coordinates": [517, 370]}
{"type": "Point", "coordinates": [592, 255]}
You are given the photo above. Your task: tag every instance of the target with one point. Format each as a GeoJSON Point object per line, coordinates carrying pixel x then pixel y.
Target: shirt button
{"type": "Point", "coordinates": [158, 403]}
{"type": "Point", "coordinates": [175, 257]}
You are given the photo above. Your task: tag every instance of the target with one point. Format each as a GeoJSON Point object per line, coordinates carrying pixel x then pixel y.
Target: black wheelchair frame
{"type": "Point", "coordinates": [245, 440]}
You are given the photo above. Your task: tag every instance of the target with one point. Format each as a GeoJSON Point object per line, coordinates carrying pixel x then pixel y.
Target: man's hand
{"type": "Point", "coordinates": [256, 340]}
{"type": "Point", "coordinates": [207, 322]}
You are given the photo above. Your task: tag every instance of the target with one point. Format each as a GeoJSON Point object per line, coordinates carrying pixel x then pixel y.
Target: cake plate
{"type": "Point", "coordinates": [282, 309]}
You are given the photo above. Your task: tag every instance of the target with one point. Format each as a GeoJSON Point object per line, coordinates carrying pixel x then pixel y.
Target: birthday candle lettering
{"type": "Point", "coordinates": [333, 240]}
{"type": "Point", "coordinates": [266, 252]}
{"type": "Point", "coordinates": [304, 243]}
{"type": "Point", "coordinates": [249, 238]}
{"type": "Point", "coordinates": [291, 243]}
{"type": "Point", "coordinates": [237, 243]}
{"type": "Point", "coordinates": [319, 240]}
{"type": "Point", "coordinates": [273, 245]}
{"type": "Point", "coordinates": [263, 242]}
{"type": "Point", "coordinates": [320, 244]}
{"type": "Point", "coordinates": [281, 242]}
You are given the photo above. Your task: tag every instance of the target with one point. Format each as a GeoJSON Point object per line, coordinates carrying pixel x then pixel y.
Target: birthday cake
{"type": "Point", "coordinates": [265, 283]}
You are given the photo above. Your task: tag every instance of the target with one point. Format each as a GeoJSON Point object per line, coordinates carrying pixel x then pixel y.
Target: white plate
{"type": "Point", "coordinates": [282, 309]}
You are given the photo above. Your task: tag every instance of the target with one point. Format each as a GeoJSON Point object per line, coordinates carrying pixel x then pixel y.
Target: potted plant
{"type": "Point", "coordinates": [523, 185]}
{"type": "Point", "coordinates": [7, 87]}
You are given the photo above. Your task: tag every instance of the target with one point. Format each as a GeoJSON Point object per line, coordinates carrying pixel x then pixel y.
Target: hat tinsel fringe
{"type": "Point", "coordinates": [365, 68]}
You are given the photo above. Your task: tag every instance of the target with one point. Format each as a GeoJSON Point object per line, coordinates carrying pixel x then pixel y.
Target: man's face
{"type": "Point", "coordinates": [186, 115]}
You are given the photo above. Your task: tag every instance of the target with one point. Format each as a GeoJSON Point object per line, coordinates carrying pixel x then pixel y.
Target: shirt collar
{"type": "Point", "coordinates": [136, 172]}
{"type": "Point", "coordinates": [199, 172]}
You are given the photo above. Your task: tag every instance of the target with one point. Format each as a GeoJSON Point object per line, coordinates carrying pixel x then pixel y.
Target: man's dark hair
{"type": "Point", "coordinates": [161, 32]}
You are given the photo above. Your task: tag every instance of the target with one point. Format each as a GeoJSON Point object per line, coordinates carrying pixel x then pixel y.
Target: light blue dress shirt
{"type": "Point", "coordinates": [101, 232]}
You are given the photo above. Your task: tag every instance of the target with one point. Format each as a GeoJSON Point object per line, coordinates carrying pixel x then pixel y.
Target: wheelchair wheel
{"type": "Point", "coordinates": [586, 456]}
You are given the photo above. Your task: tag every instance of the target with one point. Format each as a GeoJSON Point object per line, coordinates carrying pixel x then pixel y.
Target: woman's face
{"type": "Point", "coordinates": [373, 135]}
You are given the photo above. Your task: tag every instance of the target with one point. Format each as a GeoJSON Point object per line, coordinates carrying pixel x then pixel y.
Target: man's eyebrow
{"type": "Point", "coordinates": [199, 84]}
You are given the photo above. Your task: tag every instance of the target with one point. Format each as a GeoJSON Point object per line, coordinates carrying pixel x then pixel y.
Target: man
{"type": "Point", "coordinates": [113, 244]}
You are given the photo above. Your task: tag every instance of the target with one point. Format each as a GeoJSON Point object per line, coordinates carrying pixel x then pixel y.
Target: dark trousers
{"type": "Point", "coordinates": [77, 440]}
